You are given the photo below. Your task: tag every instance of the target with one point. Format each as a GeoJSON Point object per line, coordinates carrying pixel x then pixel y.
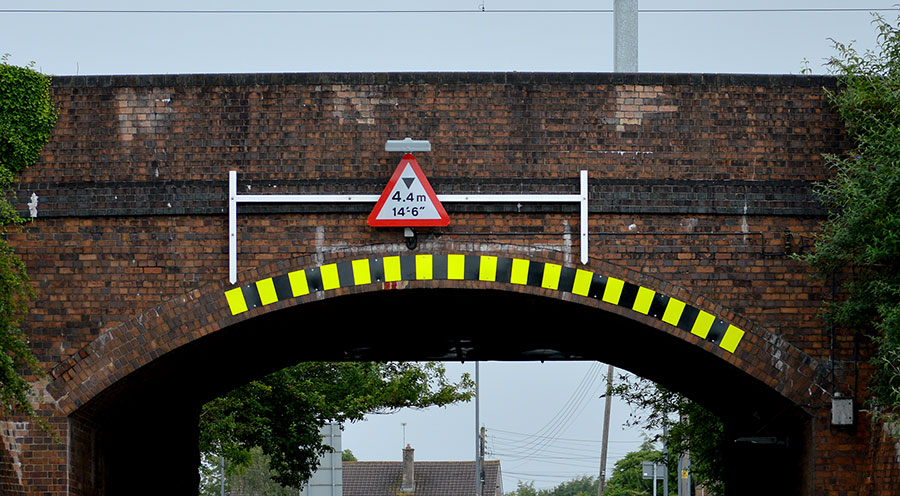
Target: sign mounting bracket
{"type": "Point", "coordinates": [234, 198]}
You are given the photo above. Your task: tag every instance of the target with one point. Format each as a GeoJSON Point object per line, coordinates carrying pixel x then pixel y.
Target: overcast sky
{"type": "Point", "coordinates": [768, 37]}
{"type": "Point", "coordinates": [457, 36]}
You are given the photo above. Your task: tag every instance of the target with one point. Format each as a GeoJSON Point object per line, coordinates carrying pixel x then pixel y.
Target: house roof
{"type": "Point", "coordinates": [431, 478]}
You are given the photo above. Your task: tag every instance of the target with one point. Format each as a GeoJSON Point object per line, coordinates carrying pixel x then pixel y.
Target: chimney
{"type": "Point", "coordinates": [408, 482]}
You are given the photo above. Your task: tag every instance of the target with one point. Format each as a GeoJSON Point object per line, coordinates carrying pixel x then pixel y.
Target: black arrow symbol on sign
{"type": "Point", "coordinates": [408, 181]}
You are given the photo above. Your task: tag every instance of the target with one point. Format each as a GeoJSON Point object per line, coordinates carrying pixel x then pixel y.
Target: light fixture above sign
{"type": "Point", "coordinates": [407, 145]}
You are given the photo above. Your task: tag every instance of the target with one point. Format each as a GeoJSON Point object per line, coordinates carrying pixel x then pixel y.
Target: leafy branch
{"type": "Point", "coordinates": [282, 413]}
{"type": "Point", "coordinates": [27, 117]}
{"type": "Point", "coordinates": [860, 240]}
{"type": "Point", "coordinates": [689, 427]}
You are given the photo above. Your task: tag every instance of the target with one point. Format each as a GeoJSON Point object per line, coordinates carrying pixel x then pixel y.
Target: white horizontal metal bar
{"type": "Point", "coordinates": [473, 198]}
{"type": "Point", "coordinates": [509, 198]}
{"type": "Point", "coordinates": [307, 198]}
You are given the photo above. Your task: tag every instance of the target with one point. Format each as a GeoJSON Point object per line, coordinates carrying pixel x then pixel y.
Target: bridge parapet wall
{"type": "Point", "coordinates": [694, 178]}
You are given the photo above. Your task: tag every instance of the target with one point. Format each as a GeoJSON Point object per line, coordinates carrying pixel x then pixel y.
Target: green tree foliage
{"type": "Point", "coordinates": [27, 116]}
{"type": "Point", "coordinates": [348, 456]}
{"type": "Point", "coordinates": [627, 477]}
{"type": "Point", "coordinates": [579, 486]}
{"type": "Point", "coordinates": [689, 427]}
{"type": "Point", "coordinates": [860, 241]}
{"type": "Point", "coordinates": [524, 489]}
{"type": "Point", "coordinates": [211, 476]}
{"type": "Point", "coordinates": [282, 413]}
{"type": "Point", "coordinates": [254, 478]}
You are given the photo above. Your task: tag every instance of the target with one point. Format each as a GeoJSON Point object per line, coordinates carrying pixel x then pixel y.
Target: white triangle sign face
{"type": "Point", "coordinates": [408, 200]}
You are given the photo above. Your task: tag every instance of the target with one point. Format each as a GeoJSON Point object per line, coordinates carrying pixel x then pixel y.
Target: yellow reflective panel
{"type": "Point", "coordinates": [582, 284]}
{"type": "Point", "coordinates": [299, 284]}
{"type": "Point", "coordinates": [361, 272]}
{"type": "Point", "coordinates": [487, 269]}
{"type": "Point", "coordinates": [267, 293]}
{"type": "Point", "coordinates": [732, 338]}
{"type": "Point", "coordinates": [703, 324]}
{"type": "Point", "coordinates": [330, 279]}
{"type": "Point", "coordinates": [519, 271]}
{"type": "Point", "coordinates": [424, 267]}
{"type": "Point", "coordinates": [673, 312]}
{"type": "Point", "coordinates": [392, 270]}
{"type": "Point", "coordinates": [643, 300]}
{"type": "Point", "coordinates": [613, 290]}
{"type": "Point", "coordinates": [236, 301]}
{"type": "Point", "coordinates": [551, 276]}
{"type": "Point", "coordinates": [456, 267]}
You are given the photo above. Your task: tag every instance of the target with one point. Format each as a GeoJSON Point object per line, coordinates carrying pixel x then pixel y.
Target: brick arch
{"type": "Point", "coordinates": [673, 311]}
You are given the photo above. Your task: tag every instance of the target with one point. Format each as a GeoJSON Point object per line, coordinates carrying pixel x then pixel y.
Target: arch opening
{"type": "Point", "coordinates": [156, 407]}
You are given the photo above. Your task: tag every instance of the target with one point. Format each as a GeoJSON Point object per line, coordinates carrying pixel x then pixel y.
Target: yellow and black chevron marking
{"type": "Point", "coordinates": [491, 269]}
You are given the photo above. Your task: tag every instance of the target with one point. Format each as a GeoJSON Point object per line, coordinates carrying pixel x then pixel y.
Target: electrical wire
{"type": "Point", "coordinates": [566, 439]}
{"type": "Point", "coordinates": [553, 452]}
{"type": "Point", "coordinates": [573, 457]}
{"type": "Point", "coordinates": [763, 10]}
{"type": "Point", "coordinates": [440, 11]}
{"type": "Point", "coordinates": [573, 407]}
{"type": "Point", "coordinates": [567, 453]}
{"type": "Point", "coordinates": [546, 443]}
{"type": "Point", "coordinates": [550, 478]}
{"type": "Point", "coordinates": [502, 442]}
{"type": "Point", "coordinates": [563, 416]}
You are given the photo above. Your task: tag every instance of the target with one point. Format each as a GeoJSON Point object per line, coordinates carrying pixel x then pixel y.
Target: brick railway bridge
{"type": "Point", "coordinates": [700, 188]}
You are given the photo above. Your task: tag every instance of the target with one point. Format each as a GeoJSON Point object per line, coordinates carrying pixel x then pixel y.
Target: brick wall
{"type": "Point", "coordinates": [696, 184]}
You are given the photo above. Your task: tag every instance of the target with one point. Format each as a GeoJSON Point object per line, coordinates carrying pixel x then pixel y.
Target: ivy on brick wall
{"type": "Point", "coordinates": [860, 241]}
{"type": "Point", "coordinates": [27, 116]}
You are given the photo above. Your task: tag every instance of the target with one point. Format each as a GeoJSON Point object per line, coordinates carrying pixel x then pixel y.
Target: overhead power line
{"type": "Point", "coordinates": [763, 10]}
{"type": "Point", "coordinates": [535, 444]}
{"type": "Point", "coordinates": [439, 11]}
{"type": "Point", "coordinates": [580, 440]}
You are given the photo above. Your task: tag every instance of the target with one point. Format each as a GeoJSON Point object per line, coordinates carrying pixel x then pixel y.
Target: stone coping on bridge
{"type": "Point", "coordinates": [306, 78]}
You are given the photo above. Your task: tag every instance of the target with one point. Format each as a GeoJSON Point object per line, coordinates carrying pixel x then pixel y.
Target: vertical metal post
{"type": "Point", "coordinates": [665, 462]}
{"type": "Point", "coordinates": [625, 27]}
{"type": "Point", "coordinates": [685, 475]}
{"type": "Point", "coordinates": [232, 227]}
{"type": "Point", "coordinates": [654, 478]}
{"type": "Point", "coordinates": [222, 466]}
{"type": "Point", "coordinates": [584, 217]}
{"type": "Point", "coordinates": [477, 437]}
{"type": "Point", "coordinates": [606, 413]}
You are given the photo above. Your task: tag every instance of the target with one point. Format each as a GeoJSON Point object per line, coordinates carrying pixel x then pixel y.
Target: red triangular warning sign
{"type": "Point", "coordinates": [408, 200]}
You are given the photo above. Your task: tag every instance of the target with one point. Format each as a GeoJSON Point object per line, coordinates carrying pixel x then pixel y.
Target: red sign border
{"type": "Point", "coordinates": [441, 222]}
